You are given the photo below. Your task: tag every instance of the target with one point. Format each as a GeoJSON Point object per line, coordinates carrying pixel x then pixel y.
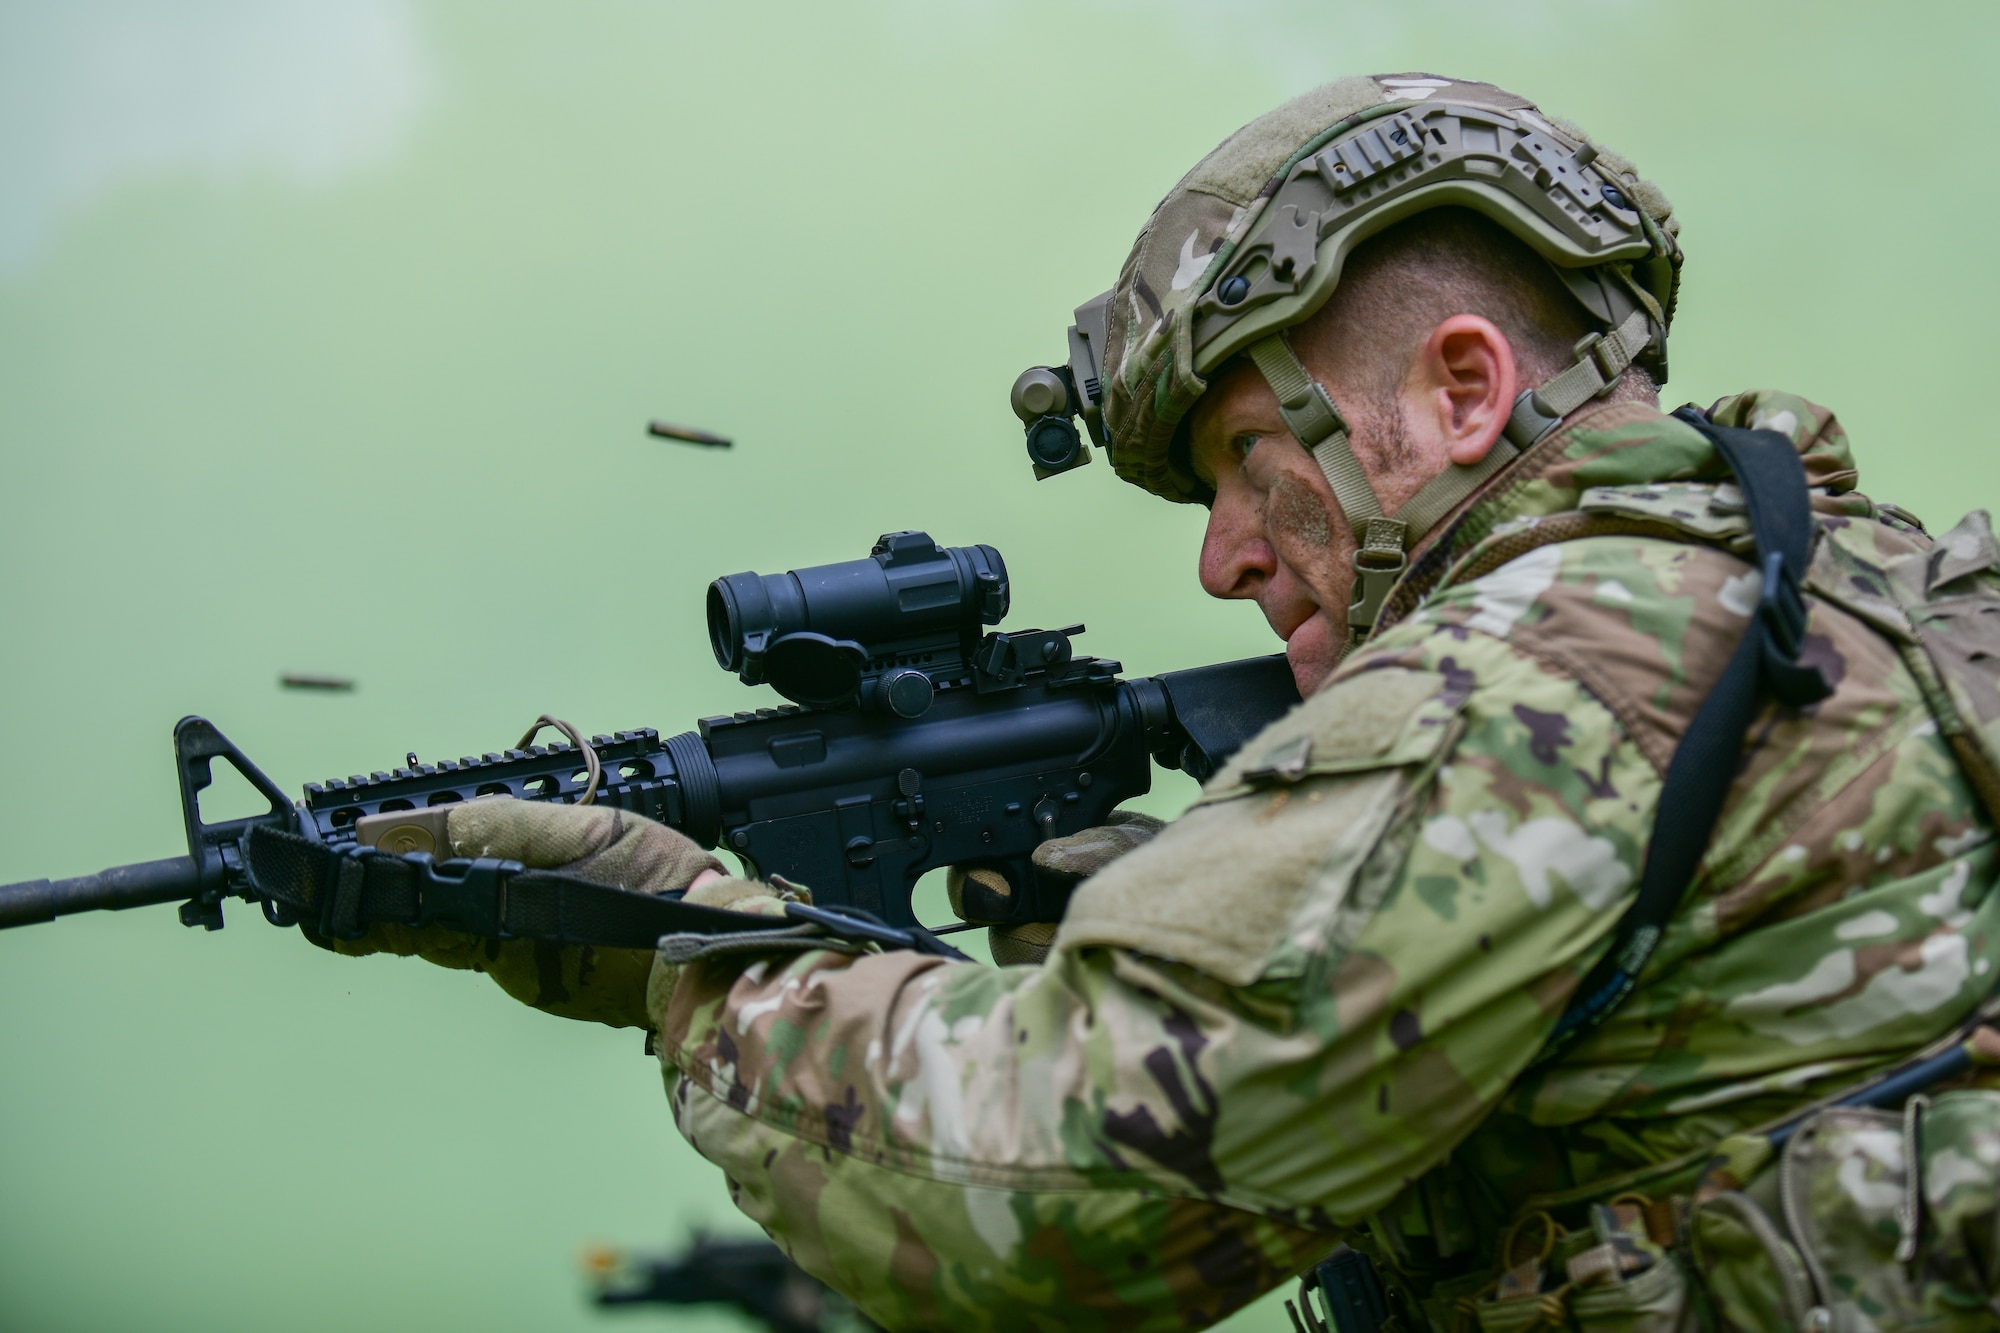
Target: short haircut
{"type": "Point", "coordinates": [1403, 282]}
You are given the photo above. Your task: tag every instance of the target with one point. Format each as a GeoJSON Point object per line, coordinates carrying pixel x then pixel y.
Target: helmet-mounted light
{"type": "Point", "coordinates": [1049, 399]}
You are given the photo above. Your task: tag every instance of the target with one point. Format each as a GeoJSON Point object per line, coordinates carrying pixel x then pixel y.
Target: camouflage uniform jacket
{"type": "Point", "coordinates": [1310, 1008]}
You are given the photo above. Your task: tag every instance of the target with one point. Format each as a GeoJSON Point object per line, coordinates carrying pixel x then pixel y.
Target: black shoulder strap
{"type": "Point", "coordinates": [1704, 766]}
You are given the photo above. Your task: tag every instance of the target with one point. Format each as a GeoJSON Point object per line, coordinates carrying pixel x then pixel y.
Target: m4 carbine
{"type": "Point", "coordinates": [913, 741]}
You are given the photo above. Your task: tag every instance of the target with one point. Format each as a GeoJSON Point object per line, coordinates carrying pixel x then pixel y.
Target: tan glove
{"type": "Point", "coordinates": [751, 897]}
{"type": "Point", "coordinates": [1068, 861]}
{"type": "Point", "coordinates": [602, 985]}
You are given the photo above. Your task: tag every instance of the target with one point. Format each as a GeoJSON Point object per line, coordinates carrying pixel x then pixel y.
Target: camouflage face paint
{"type": "Point", "coordinates": [1296, 512]}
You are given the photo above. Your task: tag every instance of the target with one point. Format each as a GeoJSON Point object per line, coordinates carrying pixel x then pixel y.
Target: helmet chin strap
{"type": "Point", "coordinates": [1383, 541]}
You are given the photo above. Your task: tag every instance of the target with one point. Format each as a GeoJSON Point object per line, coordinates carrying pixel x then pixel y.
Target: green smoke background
{"type": "Point", "coordinates": [327, 337]}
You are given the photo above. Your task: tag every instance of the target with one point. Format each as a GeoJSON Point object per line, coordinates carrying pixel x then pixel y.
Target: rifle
{"type": "Point", "coordinates": [753, 1276]}
{"type": "Point", "coordinates": [912, 741]}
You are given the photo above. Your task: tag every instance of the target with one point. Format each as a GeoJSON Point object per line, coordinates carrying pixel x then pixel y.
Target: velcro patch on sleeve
{"type": "Point", "coordinates": [1373, 719]}
{"type": "Point", "coordinates": [1277, 841]}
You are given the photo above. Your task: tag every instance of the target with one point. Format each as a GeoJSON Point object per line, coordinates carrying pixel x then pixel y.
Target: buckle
{"type": "Point", "coordinates": [1609, 356]}
{"type": "Point", "coordinates": [1781, 621]}
{"type": "Point", "coordinates": [463, 895]}
{"type": "Point", "coordinates": [1311, 416]}
{"type": "Point", "coordinates": [1531, 419]}
{"type": "Point", "coordinates": [340, 897]}
{"type": "Point", "coordinates": [1375, 572]}
{"type": "Point", "coordinates": [1780, 608]}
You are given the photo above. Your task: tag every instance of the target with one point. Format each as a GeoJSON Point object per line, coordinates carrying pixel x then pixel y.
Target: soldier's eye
{"type": "Point", "coordinates": [1233, 454]}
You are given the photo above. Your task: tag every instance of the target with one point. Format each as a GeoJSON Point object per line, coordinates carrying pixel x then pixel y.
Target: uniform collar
{"type": "Point", "coordinates": [1618, 444]}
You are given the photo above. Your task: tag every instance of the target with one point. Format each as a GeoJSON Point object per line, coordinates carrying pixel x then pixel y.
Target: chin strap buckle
{"type": "Point", "coordinates": [1610, 355]}
{"type": "Point", "coordinates": [1601, 360]}
{"type": "Point", "coordinates": [1378, 562]}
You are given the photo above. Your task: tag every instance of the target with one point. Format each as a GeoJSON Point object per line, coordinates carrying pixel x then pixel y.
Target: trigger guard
{"type": "Point", "coordinates": [1030, 895]}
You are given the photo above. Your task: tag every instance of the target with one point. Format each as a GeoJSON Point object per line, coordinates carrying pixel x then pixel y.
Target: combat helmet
{"type": "Point", "coordinates": [1252, 240]}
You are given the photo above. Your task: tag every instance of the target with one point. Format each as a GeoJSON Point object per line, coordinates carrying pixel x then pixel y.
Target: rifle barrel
{"type": "Point", "coordinates": [140, 885]}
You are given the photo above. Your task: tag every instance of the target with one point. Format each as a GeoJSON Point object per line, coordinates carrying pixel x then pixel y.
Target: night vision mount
{"type": "Point", "coordinates": [1049, 399]}
{"type": "Point", "coordinates": [889, 633]}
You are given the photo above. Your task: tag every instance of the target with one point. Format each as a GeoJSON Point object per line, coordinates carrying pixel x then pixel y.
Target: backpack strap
{"type": "Point", "coordinates": [1705, 763]}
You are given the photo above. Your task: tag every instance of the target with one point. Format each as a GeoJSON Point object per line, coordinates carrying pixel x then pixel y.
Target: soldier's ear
{"type": "Point", "coordinates": [1462, 386]}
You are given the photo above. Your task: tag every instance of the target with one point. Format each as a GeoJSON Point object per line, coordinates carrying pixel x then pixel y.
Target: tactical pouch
{"type": "Point", "coordinates": [1753, 1272]}
{"type": "Point", "coordinates": [1609, 1279]}
{"type": "Point", "coordinates": [1653, 1302]}
{"type": "Point", "coordinates": [1841, 1235]}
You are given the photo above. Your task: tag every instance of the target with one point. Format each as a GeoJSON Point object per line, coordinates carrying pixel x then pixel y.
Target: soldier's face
{"type": "Point", "coordinates": [1275, 533]}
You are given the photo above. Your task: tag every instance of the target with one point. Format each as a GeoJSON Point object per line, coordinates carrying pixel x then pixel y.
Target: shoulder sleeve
{"type": "Point", "coordinates": [1413, 870]}
{"type": "Point", "coordinates": [1226, 886]}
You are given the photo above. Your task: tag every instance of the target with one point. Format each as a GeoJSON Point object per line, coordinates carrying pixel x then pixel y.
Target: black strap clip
{"type": "Point", "coordinates": [1781, 621]}
{"type": "Point", "coordinates": [465, 895]}
{"type": "Point", "coordinates": [366, 885]}
{"type": "Point", "coordinates": [340, 910]}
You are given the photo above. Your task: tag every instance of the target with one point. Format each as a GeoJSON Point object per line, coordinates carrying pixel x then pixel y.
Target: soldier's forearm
{"type": "Point", "coordinates": [928, 1251]}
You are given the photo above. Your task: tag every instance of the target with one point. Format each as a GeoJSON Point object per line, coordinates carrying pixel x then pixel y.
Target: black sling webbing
{"type": "Point", "coordinates": [340, 892]}
{"type": "Point", "coordinates": [1699, 776]}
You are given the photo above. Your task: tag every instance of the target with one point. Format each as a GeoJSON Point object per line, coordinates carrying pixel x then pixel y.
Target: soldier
{"type": "Point", "coordinates": [1403, 338]}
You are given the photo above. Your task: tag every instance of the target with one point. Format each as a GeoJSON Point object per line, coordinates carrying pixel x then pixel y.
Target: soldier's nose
{"type": "Point", "coordinates": [1236, 560]}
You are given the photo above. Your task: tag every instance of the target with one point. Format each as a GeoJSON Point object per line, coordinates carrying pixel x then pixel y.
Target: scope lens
{"type": "Point", "coordinates": [725, 634]}
{"type": "Point", "coordinates": [1053, 443]}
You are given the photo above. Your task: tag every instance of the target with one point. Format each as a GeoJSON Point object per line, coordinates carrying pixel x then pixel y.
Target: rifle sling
{"type": "Point", "coordinates": [341, 891]}
{"type": "Point", "coordinates": [1705, 764]}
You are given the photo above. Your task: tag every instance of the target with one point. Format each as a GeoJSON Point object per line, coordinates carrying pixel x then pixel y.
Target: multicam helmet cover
{"type": "Point", "coordinates": [1251, 241]}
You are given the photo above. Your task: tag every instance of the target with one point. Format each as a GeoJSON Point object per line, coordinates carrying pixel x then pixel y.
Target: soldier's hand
{"type": "Point", "coordinates": [1078, 856]}
{"type": "Point", "coordinates": [609, 846]}
{"type": "Point", "coordinates": [1067, 861]}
